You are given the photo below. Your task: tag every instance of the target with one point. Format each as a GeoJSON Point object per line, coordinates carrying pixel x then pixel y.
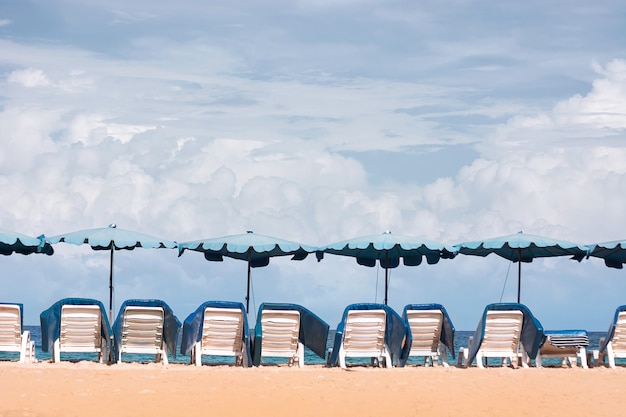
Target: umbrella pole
{"type": "Point", "coordinates": [519, 274]}
{"type": "Point", "coordinates": [111, 287]}
{"type": "Point", "coordinates": [386, 275]}
{"type": "Point", "coordinates": [248, 293]}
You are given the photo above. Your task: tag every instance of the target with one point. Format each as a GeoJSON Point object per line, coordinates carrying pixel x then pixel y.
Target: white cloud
{"type": "Point", "coordinates": [29, 77]}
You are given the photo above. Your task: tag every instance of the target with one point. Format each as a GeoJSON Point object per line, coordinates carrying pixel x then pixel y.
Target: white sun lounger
{"type": "Point", "coordinates": [364, 337]}
{"type": "Point", "coordinates": [12, 337]}
{"type": "Point", "coordinates": [503, 329]}
{"type": "Point", "coordinates": [426, 328]}
{"type": "Point", "coordinates": [616, 346]}
{"type": "Point", "coordinates": [222, 335]}
{"type": "Point", "coordinates": [280, 330]}
{"type": "Point", "coordinates": [142, 332]}
{"type": "Point", "coordinates": [80, 332]}
{"type": "Point", "coordinates": [569, 346]}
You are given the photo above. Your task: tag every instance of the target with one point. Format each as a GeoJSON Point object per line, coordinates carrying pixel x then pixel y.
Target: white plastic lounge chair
{"type": "Point", "coordinates": [222, 335]}
{"type": "Point", "coordinates": [364, 337]}
{"type": "Point", "coordinates": [567, 347]}
{"type": "Point", "coordinates": [503, 329]}
{"type": "Point", "coordinates": [616, 347]}
{"type": "Point", "coordinates": [12, 338]}
{"type": "Point", "coordinates": [143, 332]}
{"type": "Point", "coordinates": [280, 330]}
{"type": "Point", "coordinates": [80, 332]}
{"type": "Point", "coordinates": [426, 328]}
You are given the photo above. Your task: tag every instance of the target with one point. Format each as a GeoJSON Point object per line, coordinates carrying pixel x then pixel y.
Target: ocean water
{"type": "Point", "coordinates": [461, 339]}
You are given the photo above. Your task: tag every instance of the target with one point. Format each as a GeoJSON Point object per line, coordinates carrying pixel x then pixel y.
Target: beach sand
{"type": "Point", "coordinates": [133, 389]}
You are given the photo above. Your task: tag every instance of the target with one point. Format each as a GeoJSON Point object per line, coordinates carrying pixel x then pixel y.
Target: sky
{"type": "Point", "coordinates": [315, 121]}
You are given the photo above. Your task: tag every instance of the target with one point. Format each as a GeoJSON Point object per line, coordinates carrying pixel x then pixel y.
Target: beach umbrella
{"type": "Point", "coordinates": [13, 242]}
{"type": "Point", "coordinates": [521, 247]}
{"type": "Point", "coordinates": [388, 249]}
{"type": "Point", "coordinates": [613, 253]}
{"type": "Point", "coordinates": [111, 238]}
{"type": "Point", "coordinates": [253, 248]}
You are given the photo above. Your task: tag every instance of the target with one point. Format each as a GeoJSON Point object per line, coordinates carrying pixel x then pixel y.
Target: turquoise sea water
{"type": "Point", "coordinates": [460, 340]}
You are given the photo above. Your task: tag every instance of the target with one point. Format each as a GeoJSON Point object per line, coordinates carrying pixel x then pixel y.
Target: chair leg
{"type": "Point", "coordinates": [196, 353]}
{"type": "Point", "coordinates": [342, 357]}
{"type": "Point", "coordinates": [164, 354]}
{"type": "Point", "coordinates": [610, 354]}
{"type": "Point", "coordinates": [524, 357]}
{"type": "Point", "coordinates": [56, 351]}
{"type": "Point", "coordinates": [582, 355]}
{"type": "Point", "coordinates": [25, 346]}
{"type": "Point", "coordinates": [479, 360]}
{"type": "Point", "coordinates": [462, 358]}
{"type": "Point", "coordinates": [32, 357]}
{"type": "Point", "coordinates": [444, 356]}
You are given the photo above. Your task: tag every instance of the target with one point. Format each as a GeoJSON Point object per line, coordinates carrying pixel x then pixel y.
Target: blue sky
{"type": "Point", "coordinates": [315, 121]}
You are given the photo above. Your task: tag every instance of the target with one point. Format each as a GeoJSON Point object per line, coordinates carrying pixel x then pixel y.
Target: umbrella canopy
{"type": "Point", "coordinates": [521, 247]}
{"type": "Point", "coordinates": [13, 242]}
{"type": "Point", "coordinates": [387, 249]}
{"type": "Point", "coordinates": [111, 238]}
{"type": "Point", "coordinates": [613, 253]}
{"type": "Point", "coordinates": [251, 247]}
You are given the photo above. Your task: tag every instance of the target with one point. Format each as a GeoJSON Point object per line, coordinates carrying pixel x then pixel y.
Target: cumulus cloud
{"type": "Point", "coordinates": [599, 114]}
{"type": "Point", "coordinates": [29, 77]}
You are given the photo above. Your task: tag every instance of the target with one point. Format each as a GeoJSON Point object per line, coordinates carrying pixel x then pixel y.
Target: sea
{"type": "Point", "coordinates": [461, 339]}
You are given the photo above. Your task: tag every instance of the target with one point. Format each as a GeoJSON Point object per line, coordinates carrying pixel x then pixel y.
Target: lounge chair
{"type": "Point", "coordinates": [567, 345]}
{"type": "Point", "coordinates": [283, 330]}
{"type": "Point", "coordinates": [76, 325]}
{"type": "Point", "coordinates": [372, 331]}
{"type": "Point", "coordinates": [217, 328]}
{"type": "Point", "coordinates": [12, 336]}
{"type": "Point", "coordinates": [80, 332]}
{"type": "Point", "coordinates": [146, 327]}
{"type": "Point", "coordinates": [431, 332]}
{"type": "Point", "coordinates": [507, 331]}
{"type": "Point", "coordinates": [613, 345]}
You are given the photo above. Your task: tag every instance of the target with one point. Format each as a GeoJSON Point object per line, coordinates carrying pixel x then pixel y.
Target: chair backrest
{"type": "Point", "coordinates": [364, 332]}
{"type": "Point", "coordinates": [222, 331]}
{"type": "Point", "coordinates": [503, 329]}
{"type": "Point", "coordinates": [426, 330]}
{"type": "Point", "coordinates": [10, 327]}
{"type": "Point", "coordinates": [280, 329]}
{"type": "Point", "coordinates": [619, 336]}
{"type": "Point", "coordinates": [80, 327]}
{"type": "Point", "coordinates": [142, 329]}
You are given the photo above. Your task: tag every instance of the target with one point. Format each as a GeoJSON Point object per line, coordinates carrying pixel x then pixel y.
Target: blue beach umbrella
{"type": "Point", "coordinates": [253, 248]}
{"type": "Point", "coordinates": [111, 238]}
{"type": "Point", "coordinates": [521, 247]}
{"type": "Point", "coordinates": [388, 249]}
{"type": "Point", "coordinates": [13, 242]}
{"type": "Point", "coordinates": [613, 253]}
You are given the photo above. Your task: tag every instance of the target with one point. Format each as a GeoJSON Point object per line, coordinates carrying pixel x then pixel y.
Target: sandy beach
{"type": "Point", "coordinates": [132, 389]}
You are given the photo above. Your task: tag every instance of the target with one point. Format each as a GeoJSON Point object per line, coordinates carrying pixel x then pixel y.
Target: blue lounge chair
{"type": "Point", "coordinates": [507, 331]}
{"type": "Point", "coordinates": [218, 328]}
{"type": "Point", "coordinates": [146, 327]}
{"type": "Point", "coordinates": [373, 331]}
{"type": "Point", "coordinates": [76, 325]}
{"type": "Point", "coordinates": [613, 345]}
{"type": "Point", "coordinates": [431, 332]}
{"type": "Point", "coordinates": [282, 330]}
